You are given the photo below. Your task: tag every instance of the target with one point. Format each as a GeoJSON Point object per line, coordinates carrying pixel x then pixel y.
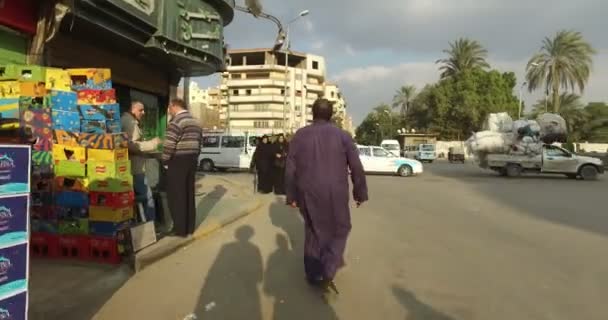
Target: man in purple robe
{"type": "Point", "coordinates": [316, 177]}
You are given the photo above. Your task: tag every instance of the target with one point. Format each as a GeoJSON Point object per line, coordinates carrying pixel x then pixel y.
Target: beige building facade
{"type": "Point", "coordinates": [258, 94]}
{"type": "Point", "coordinates": [265, 96]}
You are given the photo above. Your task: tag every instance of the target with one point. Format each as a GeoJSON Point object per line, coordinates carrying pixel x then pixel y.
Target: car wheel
{"type": "Point", "coordinates": [207, 165]}
{"type": "Point", "coordinates": [588, 172]}
{"type": "Point", "coordinates": [513, 170]}
{"type": "Point", "coordinates": [405, 171]}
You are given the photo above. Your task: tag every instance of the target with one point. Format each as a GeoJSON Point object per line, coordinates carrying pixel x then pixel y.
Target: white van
{"type": "Point", "coordinates": [224, 151]}
{"type": "Point", "coordinates": [392, 146]}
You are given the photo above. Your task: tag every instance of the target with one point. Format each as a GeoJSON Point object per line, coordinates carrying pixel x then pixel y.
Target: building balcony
{"type": "Point", "coordinates": [320, 74]}
{"type": "Point", "coordinates": [261, 67]}
{"type": "Point", "coordinates": [256, 98]}
{"type": "Point", "coordinates": [255, 83]}
{"type": "Point", "coordinates": [254, 115]}
{"type": "Point", "coordinates": [315, 87]}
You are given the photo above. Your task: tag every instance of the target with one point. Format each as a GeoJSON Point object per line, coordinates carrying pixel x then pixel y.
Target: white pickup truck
{"type": "Point", "coordinates": [553, 159]}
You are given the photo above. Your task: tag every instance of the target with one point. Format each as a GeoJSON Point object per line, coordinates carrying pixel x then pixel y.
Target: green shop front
{"type": "Point", "coordinates": [149, 46]}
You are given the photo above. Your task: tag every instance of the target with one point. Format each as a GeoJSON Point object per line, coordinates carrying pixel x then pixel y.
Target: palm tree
{"type": "Point", "coordinates": [403, 99]}
{"type": "Point", "coordinates": [464, 54]}
{"type": "Point", "coordinates": [563, 62]}
{"type": "Point", "coordinates": [572, 110]}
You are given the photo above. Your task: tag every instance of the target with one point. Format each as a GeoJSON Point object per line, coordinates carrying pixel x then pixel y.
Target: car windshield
{"type": "Point", "coordinates": [391, 146]}
{"type": "Point", "coordinates": [427, 147]}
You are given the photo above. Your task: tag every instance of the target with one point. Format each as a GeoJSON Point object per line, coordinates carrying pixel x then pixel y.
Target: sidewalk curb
{"type": "Point", "coordinates": [208, 229]}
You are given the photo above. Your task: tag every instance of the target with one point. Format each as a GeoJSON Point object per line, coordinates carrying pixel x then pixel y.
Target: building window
{"type": "Point", "coordinates": [282, 91]}
{"type": "Point", "coordinates": [333, 94]}
{"type": "Point", "coordinates": [234, 108]}
{"type": "Point", "coordinates": [235, 92]}
{"type": "Point", "coordinates": [248, 92]}
{"type": "Point", "coordinates": [315, 65]}
{"type": "Point", "coordinates": [298, 93]}
{"type": "Point", "coordinates": [260, 124]}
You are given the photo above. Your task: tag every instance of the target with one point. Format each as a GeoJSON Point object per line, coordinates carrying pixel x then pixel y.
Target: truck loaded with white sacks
{"type": "Point", "coordinates": [515, 147]}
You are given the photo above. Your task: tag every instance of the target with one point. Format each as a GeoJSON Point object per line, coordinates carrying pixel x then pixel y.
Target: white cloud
{"type": "Point", "coordinates": [309, 26]}
{"type": "Point", "coordinates": [318, 45]}
{"type": "Point", "coordinates": [367, 86]}
{"type": "Point", "coordinates": [350, 51]}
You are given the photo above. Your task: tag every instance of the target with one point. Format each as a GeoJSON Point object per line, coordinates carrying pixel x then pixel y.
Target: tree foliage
{"type": "Point", "coordinates": [458, 105]}
{"type": "Point", "coordinates": [403, 98]}
{"type": "Point", "coordinates": [585, 123]}
{"type": "Point", "coordinates": [382, 123]}
{"type": "Point", "coordinates": [464, 55]}
{"type": "Point", "coordinates": [565, 61]}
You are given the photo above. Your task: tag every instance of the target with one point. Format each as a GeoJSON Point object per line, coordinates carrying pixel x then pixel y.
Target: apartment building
{"type": "Point", "coordinates": [258, 85]}
{"type": "Point", "coordinates": [206, 105]}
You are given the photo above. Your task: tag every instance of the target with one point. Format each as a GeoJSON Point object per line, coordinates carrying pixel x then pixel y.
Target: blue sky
{"type": "Point", "coordinates": [371, 50]}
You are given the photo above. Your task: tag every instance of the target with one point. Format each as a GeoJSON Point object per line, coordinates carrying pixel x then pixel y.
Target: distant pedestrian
{"type": "Point", "coordinates": [180, 153]}
{"type": "Point", "coordinates": [262, 164]}
{"type": "Point", "coordinates": [138, 147]}
{"type": "Point", "coordinates": [320, 157]}
{"type": "Point", "coordinates": [280, 150]}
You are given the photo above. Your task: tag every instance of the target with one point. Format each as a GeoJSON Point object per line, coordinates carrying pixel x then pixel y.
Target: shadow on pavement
{"type": "Point", "coordinates": [553, 198]}
{"type": "Point", "coordinates": [289, 220]}
{"type": "Point", "coordinates": [72, 290]}
{"type": "Point", "coordinates": [208, 202]}
{"type": "Point", "coordinates": [416, 309]}
{"type": "Point", "coordinates": [231, 286]}
{"type": "Point", "coordinates": [284, 281]}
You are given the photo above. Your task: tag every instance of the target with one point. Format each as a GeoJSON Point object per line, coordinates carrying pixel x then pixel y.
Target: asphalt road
{"type": "Point", "coordinates": [454, 243]}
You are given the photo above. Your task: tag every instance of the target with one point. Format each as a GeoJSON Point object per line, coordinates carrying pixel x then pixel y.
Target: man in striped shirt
{"type": "Point", "coordinates": [180, 154]}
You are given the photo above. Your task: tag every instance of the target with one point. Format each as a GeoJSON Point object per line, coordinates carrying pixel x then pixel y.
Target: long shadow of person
{"type": "Point", "coordinates": [208, 202]}
{"type": "Point", "coordinates": [293, 299]}
{"type": "Point", "coordinates": [231, 286]}
{"type": "Point", "coordinates": [418, 310]}
{"type": "Point", "coordinates": [290, 221]}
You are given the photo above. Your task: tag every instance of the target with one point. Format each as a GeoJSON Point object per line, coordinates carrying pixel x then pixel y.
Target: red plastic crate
{"type": "Point", "coordinates": [111, 199]}
{"type": "Point", "coordinates": [104, 250]}
{"type": "Point", "coordinates": [44, 245]}
{"type": "Point", "coordinates": [75, 247]}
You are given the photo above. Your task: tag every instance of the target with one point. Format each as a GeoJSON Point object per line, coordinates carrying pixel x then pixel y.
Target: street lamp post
{"type": "Point", "coordinates": [520, 101]}
{"type": "Point", "coordinates": [390, 117]}
{"type": "Point", "coordinates": [287, 45]}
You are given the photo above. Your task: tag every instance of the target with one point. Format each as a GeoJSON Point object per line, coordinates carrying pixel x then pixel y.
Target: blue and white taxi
{"type": "Point", "coordinates": [379, 160]}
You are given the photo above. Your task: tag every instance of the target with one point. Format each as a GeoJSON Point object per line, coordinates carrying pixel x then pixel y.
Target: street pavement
{"type": "Point", "coordinates": [454, 243]}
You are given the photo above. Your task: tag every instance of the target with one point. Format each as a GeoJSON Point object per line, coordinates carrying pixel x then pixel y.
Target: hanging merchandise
{"type": "Point", "coordinates": [14, 235]}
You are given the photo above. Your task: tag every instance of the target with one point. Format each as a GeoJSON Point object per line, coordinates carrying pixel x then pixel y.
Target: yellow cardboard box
{"type": "Point", "coordinates": [101, 170]}
{"type": "Point", "coordinates": [108, 155]}
{"type": "Point", "coordinates": [107, 214]}
{"type": "Point", "coordinates": [64, 152]}
{"type": "Point", "coordinates": [58, 79]}
{"type": "Point", "coordinates": [10, 89]}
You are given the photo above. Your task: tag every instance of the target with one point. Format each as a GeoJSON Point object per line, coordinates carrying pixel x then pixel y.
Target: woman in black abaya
{"type": "Point", "coordinates": [280, 156]}
{"type": "Point", "coordinates": [262, 162]}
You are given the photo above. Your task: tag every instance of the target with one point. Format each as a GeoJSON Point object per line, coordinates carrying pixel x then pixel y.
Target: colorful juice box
{"type": "Point", "coordinates": [108, 155]}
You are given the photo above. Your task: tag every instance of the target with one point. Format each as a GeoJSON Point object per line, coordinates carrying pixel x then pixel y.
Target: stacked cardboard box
{"type": "Point", "coordinates": [14, 234]}
{"type": "Point", "coordinates": [82, 188]}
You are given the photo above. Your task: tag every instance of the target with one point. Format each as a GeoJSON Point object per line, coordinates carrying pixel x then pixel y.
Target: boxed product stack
{"type": "Point", "coordinates": [14, 234]}
{"type": "Point", "coordinates": [110, 182]}
{"type": "Point", "coordinates": [82, 189]}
